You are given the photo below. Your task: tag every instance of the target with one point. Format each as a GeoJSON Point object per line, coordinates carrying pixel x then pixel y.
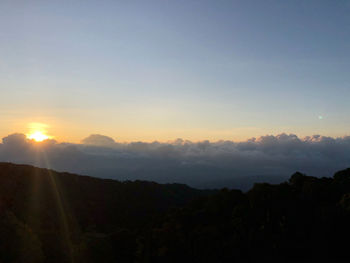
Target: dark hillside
{"type": "Point", "coordinates": [304, 220]}
{"type": "Point", "coordinates": [64, 212]}
{"type": "Point", "coordinates": [47, 216]}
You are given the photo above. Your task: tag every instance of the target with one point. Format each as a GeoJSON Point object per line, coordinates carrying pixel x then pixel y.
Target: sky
{"type": "Point", "coordinates": [160, 70]}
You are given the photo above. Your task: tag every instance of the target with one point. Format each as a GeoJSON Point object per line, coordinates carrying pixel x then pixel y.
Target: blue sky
{"type": "Point", "coordinates": [158, 70]}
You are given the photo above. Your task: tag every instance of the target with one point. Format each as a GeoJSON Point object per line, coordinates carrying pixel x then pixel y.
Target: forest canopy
{"type": "Point", "coordinates": [59, 217]}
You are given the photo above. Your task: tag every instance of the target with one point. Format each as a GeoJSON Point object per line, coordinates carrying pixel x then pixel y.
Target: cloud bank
{"type": "Point", "coordinates": [200, 164]}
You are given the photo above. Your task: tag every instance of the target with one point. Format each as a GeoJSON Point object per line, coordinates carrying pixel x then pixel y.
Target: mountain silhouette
{"type": "Point", "coordinates": [46, 216]}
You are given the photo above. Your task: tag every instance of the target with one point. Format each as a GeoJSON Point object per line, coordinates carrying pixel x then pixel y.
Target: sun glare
{"type": "Point", "coordinates": [38, 132]}
{"type": "Point", "coordinates": [38, 136]}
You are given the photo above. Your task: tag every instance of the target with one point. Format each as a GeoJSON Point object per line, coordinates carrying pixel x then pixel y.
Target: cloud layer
{"type": "Point", "coordinates": [200, 164]}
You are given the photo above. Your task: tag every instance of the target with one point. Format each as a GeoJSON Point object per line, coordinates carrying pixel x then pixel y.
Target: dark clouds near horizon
{"type": "Point", "coordinates": [200, 164]}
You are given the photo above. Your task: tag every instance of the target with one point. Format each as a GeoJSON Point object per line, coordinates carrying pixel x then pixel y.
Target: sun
{"type": "Point", "coordinates": [38, 136]}
{"type": "Point", "coordinates": [38, 132]}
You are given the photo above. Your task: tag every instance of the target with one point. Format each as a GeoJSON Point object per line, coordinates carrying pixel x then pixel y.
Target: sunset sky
{"type": "Point", "coordinates": [160, 70]}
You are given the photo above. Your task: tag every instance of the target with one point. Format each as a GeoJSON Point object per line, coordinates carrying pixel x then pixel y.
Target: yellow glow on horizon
{"type": "Point", "coordinates": [38, 132]}
{"type": "Point", "coordinates": [38, 136]}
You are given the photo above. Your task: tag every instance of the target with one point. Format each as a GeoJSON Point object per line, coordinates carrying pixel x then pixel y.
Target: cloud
{"type": "Point", "coordinates": [98, 140]}
{"type": "Point", "coordinates": [199, 164]}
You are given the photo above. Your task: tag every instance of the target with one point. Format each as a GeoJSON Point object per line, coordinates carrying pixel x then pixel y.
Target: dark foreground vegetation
{"type": "Point", "coordinates": [47, 216]}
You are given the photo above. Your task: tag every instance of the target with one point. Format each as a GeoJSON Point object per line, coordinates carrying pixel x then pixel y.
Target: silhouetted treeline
{"type": "Point", "coordinates": [59, 217]}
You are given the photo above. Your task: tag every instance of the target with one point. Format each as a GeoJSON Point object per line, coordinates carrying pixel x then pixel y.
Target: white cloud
{"type": "Point", "coordinates": [98, 140]}
{"type": "Point", "coordinates": [200, 164]}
